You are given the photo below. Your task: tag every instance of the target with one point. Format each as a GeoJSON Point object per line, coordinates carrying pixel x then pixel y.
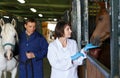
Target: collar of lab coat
{"type": "Point", "coordinates": [60, 45]}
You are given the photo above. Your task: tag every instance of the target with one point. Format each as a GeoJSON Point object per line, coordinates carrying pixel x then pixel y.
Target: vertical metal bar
{"type": "Point", "coordinates": [119, 38]}
{"type": "Point", "coordinates": [86, 21]}
{"type": "Point", "coordinates": [78, 23]}
{"type": "Point", "coordinates": [74, 20]}
{"type": "Point", "coordinates": [86, 32]}
{"type": "Point", "coordinates": [114, 39]}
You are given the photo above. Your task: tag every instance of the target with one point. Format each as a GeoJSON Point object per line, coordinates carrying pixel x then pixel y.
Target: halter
{"type": "Point", "coordinates": [13, 46]}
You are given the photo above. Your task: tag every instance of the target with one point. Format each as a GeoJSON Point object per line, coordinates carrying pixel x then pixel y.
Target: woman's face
{"type": "Point", "coordinates": [30, 27]}
{"type": "Point", "coordinates": [67, 31]}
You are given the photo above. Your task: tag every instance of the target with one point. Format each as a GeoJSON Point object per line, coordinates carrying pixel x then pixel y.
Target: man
{"type": "Point", "coordinates": [32, 49]}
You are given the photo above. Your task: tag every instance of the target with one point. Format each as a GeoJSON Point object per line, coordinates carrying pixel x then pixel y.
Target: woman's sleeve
{"type": "Point", "coordinates": [64, 63]}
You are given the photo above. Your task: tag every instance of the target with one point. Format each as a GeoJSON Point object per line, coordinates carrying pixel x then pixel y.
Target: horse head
{"type": "Point", "coordinates": [9, 37]}
{"type": "Point", "coordinates": [102, 30]}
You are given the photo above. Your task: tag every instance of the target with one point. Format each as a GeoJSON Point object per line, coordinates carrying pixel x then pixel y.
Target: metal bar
{"type": "Point", "coordinates": [78, 24]}
{"type": "Point", "coordinates": [114, 39]}
{"type": "Point", "coordinates": [86, 21]}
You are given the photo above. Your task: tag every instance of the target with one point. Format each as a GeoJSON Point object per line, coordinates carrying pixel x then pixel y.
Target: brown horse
{"type": "Point", "coordinates": [100, 35]}
{"type": "Point", "coordinates": [102, 30]}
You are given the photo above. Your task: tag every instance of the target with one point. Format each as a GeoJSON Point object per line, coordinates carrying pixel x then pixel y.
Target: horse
{"type": "Point", "coordinates": [102, 30]}
{"type": "Point", "coordinates": [100, 35]}
{"type": "Point", "coordinates": [8, 39]}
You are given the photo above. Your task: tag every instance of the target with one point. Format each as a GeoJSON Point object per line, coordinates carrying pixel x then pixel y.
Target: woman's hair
{"type": "Point", "coordinates": [59, 29]}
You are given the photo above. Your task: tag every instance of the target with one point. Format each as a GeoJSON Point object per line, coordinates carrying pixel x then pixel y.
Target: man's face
{"type": "Point", "coordinates": [30, 27]}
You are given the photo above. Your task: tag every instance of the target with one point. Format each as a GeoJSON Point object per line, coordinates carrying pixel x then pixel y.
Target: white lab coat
{"type": "Point", "coordinates": [60, 59]}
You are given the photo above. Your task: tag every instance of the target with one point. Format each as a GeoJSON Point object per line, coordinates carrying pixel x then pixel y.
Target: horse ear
{"type": "Point", "coordinates": [2, 22]}
{"type": "Point", "coordinates": [13, 22]}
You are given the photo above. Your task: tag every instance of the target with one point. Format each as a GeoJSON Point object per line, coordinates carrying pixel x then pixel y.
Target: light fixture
{"type": "Point", "coordinates": [40, 15]}
{"type": "Point", "coordinates": [55, 19]}
{"type": "Point", "coordinates": [6, 16]}
{"type": "Point", "coordinates": [21, 1]}
{"type": "Point", "coordinates": [33, 9]}
{"type": "Point", "coordinates": [25, 18]}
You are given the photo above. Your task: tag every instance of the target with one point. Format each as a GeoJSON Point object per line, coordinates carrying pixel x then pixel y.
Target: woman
{"type": "Point", "coordinates": [62, 53]}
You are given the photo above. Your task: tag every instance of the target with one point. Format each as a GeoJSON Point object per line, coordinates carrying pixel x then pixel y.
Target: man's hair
{"type": "Point", "coordinates": [30, 20]}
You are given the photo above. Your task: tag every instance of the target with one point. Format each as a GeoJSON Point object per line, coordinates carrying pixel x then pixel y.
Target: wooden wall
{"type": "Point", "coordinates": [93, 71]}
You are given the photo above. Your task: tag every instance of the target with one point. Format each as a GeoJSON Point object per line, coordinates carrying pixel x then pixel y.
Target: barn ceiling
{"type": "Point", "coordinates": [50, 9]}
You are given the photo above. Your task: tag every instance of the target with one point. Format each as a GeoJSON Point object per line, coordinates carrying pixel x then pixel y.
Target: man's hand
{"type": "Point", "coordinates": [30, 55]}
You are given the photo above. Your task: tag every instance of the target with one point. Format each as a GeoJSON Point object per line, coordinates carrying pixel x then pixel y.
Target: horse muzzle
{"type": "Point", "coordinates": [8, 55]}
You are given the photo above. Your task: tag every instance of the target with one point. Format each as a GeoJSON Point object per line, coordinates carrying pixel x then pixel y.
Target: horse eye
{"type": "Point", "coordinates": [15, 36]}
